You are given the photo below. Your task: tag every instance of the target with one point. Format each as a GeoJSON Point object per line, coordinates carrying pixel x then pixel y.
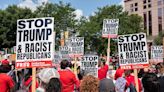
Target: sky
{"type": "Point", "coordinates": [83, 7]}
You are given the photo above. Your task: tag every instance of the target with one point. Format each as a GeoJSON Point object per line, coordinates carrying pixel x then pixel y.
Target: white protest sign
{"type": "Point", "coordinates": [110, 28]}
{"type": "Point", "coordinates": [89, 64]}
{"type": "Point", "coordinates": [76, 45]}
{"type": "Point", "coordinates": [157, 53]}
{"type": "Point", "coordinates": [64, 52]}
{"type": "Point", "coordinates": [132, 50]}
{"type": "Point", "coordinates": [35, 42]}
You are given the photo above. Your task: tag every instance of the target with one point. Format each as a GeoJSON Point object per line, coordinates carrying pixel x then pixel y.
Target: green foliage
{"type": "Point", "coordinates": [91, 29]}
{"type": "Point", "coordinates": [159, 39]}
{"type": "Point", "coordinates": [8, 24]}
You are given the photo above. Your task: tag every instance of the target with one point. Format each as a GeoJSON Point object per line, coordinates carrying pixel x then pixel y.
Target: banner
{"type": "Point", "coordinates": [76, 46]}
{"type": "Point", "coordinates": [157, 53]}
{"type": "Point", "coordinates": [89, 64]}
{"type": "Point", "coordinates": [133, 51]}
{"type": "Point", "coordinates": [35, 42]}
{"type": "Point", "coordinates": [110, 28]}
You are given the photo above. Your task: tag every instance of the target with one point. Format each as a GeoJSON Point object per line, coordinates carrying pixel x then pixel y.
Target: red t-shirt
{"type": "Point", "coordinates": [102, 72]}
{"type": "Point", "coordinates": [26, 83]}
{"type": "Point", "coordinates": [68, 80]}
{"type": "Point", "coordinates": [131, 79]}
{"type": "Point", "coordinates": [6, 82]}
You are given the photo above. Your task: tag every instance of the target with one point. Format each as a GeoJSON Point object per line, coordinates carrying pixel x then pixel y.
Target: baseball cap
{"type": "Point", "coordinates": [47, 73]}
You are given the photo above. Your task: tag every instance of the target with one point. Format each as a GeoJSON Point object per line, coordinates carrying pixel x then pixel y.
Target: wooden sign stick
{"type": "Point", "coordinates": [34, 79]}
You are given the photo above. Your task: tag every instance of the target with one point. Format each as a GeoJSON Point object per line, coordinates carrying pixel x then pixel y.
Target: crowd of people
{"type": "Point", "coordinates": [65, 80]}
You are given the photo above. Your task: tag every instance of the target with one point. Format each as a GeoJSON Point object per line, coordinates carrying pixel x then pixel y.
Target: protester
{"type": "Point", "coordinates": [120, 81]}
{"type": "Point", "coordinates": [49, 81]}
{"type": "Point", "coordinates": [160, 72]}
{"type": "Point", "coordinates": [67, 77]}
{"type": "Point", "coordinates": [103, 69]}
{"type": "Point", "coordinates": [131, 80]}
{"type": "Point", "coordinates": [6, 82]}
{"type": "Point", "coordinates": [106, 84]}
{"type": "Point", "coordinates": [150, 83]}
{"type": "Point", "coordinates": [89, 84]}
{"type": "Point", "coordinates": [28, 80]}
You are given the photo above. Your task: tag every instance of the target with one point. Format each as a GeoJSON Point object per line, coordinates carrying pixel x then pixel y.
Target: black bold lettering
{"type": "Point", "coordinates": [21, 24]}
{"type": "Point", "coordinates": [32, 34]}
{"type": "Point", "coordinates": [49, 43]}
{"type": "Point", "coordinates": [27, 48]}
{"type": "Point", "coordinates": [29, 22]}
{"type": "Point", "coordinates": [44, 46]}
{"type": "Point", "coordinates": [48, 21]}
{"type": "Point", "coordinates": [142, 45]}
{"type": "Point", "coordinates": [40, 34]}
{"type": "Point", "coordinates": [141, 36]}
{"type": "Point", "coordinates": [121, 39]}
{"type": "Point", "coordinates": [26, 33]}
{"type": "Point", "coordinates": [134, 37]}
{"type": "Point", "coordinates": [39, 23]}
{"type": "Point", "coordinates": [49, 32]}
{"type": "Point", "coordinates": [37, 47]}
{"type": "Point", "coordinates": [20, 35]}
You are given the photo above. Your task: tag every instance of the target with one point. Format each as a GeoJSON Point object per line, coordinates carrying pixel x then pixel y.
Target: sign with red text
{"type": "Point", "coordinates": [133, 51]}
{"type": "Point", "coordinates": [35, 42]}
{"type": "Point", "coordinates": [110, 28]}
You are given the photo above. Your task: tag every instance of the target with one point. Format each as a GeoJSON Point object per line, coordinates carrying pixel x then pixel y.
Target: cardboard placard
{"type": "Point", "coordinates": [157, 53]}
{"type": "Point", "coordinates": [110, 28]}
{"type": "Point", "coordinates": [132, 50]}
{"type": "Point", "coordinates": [35, 42]}
{"type": "Point", "coordinates": [76, 46]}
{"type": "Point", "coordinates": [89, 64]}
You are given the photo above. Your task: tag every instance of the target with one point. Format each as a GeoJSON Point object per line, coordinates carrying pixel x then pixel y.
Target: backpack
{"type": "Point", "coordinates": [132, 88]}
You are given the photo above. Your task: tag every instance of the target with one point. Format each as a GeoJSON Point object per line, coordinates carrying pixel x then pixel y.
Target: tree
{"type": "Point", "coordinates": [8, 24]}
{"type": "Point", "coordinates": [63, 16]}
{"type": "Point", "coordinates": [91, 29]}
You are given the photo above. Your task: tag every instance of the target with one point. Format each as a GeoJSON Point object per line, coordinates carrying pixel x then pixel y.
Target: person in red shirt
{"type": "Point", "coordinates": [67, 77]}
{"type": "Point", "coordinates": [28, 80]}
{"type": "Point", "coordinates": [6, 82]}
{"type": "Point", "coordinates": [103, 69]}
{"type": "Point", "coordinates": [130, 79]}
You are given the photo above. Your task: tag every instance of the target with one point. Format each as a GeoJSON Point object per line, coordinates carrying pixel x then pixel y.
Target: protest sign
{"type": "Point", "coordinates": [157, 53]}
{"type": "Point", "coordinates": [89, 64]}
{"type": "Point", "coordinates": [76, 46]}
{"type": "Point", "coordinates": [110, 28]}
{"type": "Point", "coordinates": [35, 42]}
{"type": "Point", "coordinates": [132, 50]}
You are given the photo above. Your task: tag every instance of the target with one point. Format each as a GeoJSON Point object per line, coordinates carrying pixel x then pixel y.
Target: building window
{"type": "Point", "coordinates": [149, 5]}
{"type": "Point", "coordinates": [149, 0]}
{"type": "Point", "coordinates": [159, 2]}
{"type": "Point", "coordinates": [136, 9]}
{"type": "Point", "coordinates": [145, 20]}
{"type": "Point", "coordinates": [159, 20]}
{"type": "Point", "coordinates": [136, 4]}
{"type": "Point", "coordinates": [131, 10]}
{"type": "Point", "coordinates": [144, 1]}
{"type": "Point", "coordinates": [144, 7]}
{"type": "Point", "coordinates": [150, 22]}
{"type": "Point", "coordinates": [131, 5]}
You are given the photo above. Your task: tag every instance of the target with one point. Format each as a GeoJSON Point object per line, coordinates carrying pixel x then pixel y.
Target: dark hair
{"type": "Point", "coordinates": [64, 64]}
{"type": "Point", "coordinates": [150, 83]}
{"type": "Point", "coordinates": [128, 72]}
{"type": "Point", "coordinates": [54, 85]}
{"type": "Point", "coordinates": [5, 68]}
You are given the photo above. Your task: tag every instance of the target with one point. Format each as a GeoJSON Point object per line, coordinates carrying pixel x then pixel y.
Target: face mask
{"type": "Point", "coordinates": [39, 89]}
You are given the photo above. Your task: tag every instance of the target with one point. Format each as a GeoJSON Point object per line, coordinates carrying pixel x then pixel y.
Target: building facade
{"type": "Point", "coordinates": [152, 12]}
